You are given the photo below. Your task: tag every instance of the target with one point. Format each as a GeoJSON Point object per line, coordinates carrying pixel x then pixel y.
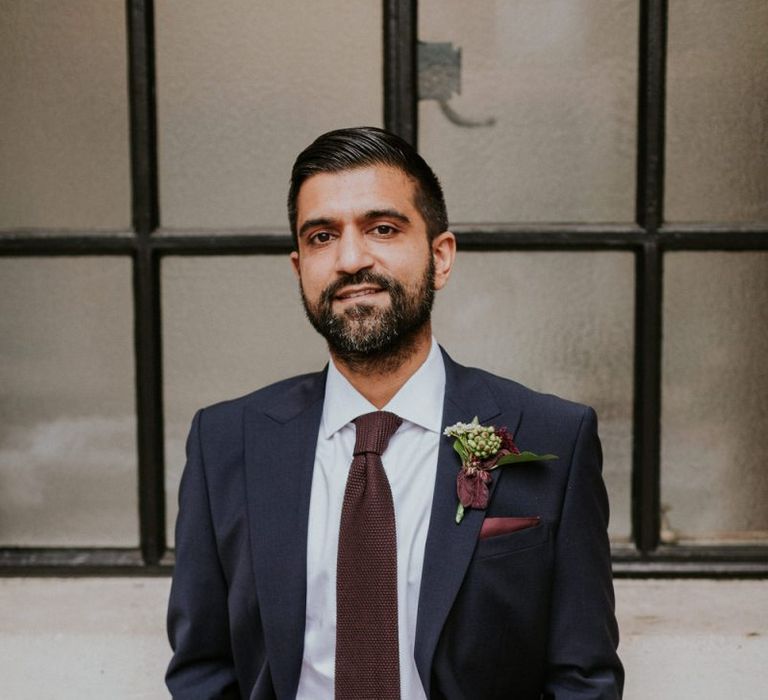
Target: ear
{"type": "Point", "coordinates": [443, 253]}
{"type": "Point", "coordinates": [295, 264]}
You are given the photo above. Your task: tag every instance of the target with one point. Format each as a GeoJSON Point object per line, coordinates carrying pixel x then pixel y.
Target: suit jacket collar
{"type": "Point", "coordinates": [279, 458]}
{"type": "Point", "coordinates": [449, 545]}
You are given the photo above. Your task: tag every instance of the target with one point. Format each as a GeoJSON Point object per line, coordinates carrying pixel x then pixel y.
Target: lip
{"type": "Point", "coordinates": [357, 293]}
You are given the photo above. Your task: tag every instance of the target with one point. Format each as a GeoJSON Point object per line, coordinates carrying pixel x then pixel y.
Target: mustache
{"type": "Point", "coordinates": [361, 277]}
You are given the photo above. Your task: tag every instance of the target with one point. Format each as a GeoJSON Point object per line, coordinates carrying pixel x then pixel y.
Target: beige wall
{"type": "Point", "coordinates": [104, 638]}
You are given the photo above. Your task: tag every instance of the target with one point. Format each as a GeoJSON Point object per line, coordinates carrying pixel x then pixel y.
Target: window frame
{"type": "Point", "coordinates": [648, 239]}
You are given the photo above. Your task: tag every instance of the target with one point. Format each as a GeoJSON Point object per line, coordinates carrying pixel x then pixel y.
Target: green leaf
{"type": "Point", "coordinates": [462, 452]}
{"type": "Point", "coordinates": [459, 513]}
{"type": "Point", "coordinates": [523, 457]}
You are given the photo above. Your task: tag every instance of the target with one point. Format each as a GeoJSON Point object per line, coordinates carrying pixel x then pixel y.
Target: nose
{"type": "Point", "coordinates": [352, 253]}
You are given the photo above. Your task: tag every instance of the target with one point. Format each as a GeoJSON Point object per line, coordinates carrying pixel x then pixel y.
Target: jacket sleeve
{"type": "Point", "coordinates": [202, 665]}
{"type": "Point", "coordinates": [582, 660]}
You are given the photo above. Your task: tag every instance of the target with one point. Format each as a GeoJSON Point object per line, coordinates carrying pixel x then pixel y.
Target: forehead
{"type": "Point", "coordinates": [355, 191]}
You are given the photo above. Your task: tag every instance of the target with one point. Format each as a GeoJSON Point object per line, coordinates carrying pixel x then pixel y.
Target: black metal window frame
{"type": "Point", "coordinates": [648, 239]}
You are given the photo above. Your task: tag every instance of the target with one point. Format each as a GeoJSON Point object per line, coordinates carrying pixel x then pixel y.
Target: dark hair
{"type": "Point", "coordinates": [363, 146]}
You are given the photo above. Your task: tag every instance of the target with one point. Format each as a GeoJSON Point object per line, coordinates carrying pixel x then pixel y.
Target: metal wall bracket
{"type": "Point", "coordinates": [439, 66]}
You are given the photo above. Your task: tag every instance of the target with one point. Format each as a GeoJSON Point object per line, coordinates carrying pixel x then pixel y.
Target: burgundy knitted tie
{"type": "Point", "coordinates": [367, 661]}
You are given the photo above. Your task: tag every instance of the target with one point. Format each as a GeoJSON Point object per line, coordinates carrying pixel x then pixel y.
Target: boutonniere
{"type": "Point", "coordinates": [482, 448]}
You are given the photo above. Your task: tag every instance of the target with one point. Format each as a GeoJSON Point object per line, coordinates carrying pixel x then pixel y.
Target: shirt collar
{"type": "Point", "coordinates": [419, 400]}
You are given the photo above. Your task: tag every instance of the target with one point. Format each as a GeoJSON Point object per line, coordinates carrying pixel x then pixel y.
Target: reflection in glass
{"type": "Point", "coordinates": [560, 323]}
{"type": "Point", "coordinates": [68, 463]}
{"type": "Point", "coordinates": [560, 79]}
{"type": "Point", "coordinates": [717, 111]}
{"type": "Point", "coordinates": [243, 87]}
{"type": "Point", "coordinates": [715, 397]}
{"type": "Point", "coordinates": [64, 159]}
{"type": "Point", "coordinates": [231, 325]}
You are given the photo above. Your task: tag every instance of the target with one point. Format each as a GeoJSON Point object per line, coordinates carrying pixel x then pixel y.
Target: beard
{"type": "Point", "coordinates": [366, 335]}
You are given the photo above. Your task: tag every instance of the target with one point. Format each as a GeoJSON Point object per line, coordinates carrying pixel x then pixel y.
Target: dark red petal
{"type": "Point", "coordinates": [480, 499]}
{"type": "Point", "coordinates": [464, 489]}
{"type": "Point", "coordinates": [507, 443]}
{"type": "Point", "coordinates": [472, 489]}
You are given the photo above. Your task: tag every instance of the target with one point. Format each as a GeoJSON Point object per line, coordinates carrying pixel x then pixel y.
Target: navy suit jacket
{"type": "Point", "coordinates": [527, 614]}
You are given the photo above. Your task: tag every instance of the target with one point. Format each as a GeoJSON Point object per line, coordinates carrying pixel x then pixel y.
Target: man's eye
{"type": "Point", "coordinates": [321, 237]}
{"type": "Point", "coordinates": [384, 229]}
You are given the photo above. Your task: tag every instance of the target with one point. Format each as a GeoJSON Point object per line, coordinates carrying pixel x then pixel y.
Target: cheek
{"type": "Point", "coordinates": [411, 263]}
{"type": "Point", "coordinates": [313, 282]}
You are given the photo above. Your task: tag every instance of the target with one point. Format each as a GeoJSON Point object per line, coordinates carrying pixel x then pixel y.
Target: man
{"type": "Point", "coordinates": [298, 575]}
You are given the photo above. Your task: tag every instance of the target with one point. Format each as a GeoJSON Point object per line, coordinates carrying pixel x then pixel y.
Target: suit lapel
{"type": "Point", "coordinates": [449, 545]}
{"type": "Point", "coordinates": [279, 458]}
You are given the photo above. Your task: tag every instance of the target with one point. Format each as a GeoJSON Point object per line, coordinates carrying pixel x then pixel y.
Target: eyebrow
{"type": "Point", "coordinates": [370, 215]}
{"type": "Point", "coordinates": [311, 223]}
{"type": "Point", "coordinates": [386, 214]}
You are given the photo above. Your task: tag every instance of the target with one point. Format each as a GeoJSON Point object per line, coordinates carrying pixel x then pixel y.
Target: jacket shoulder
{"type": "Point", "coordinates": [277, 399]}
{"type": "Point", "coordinates": [512, 394]}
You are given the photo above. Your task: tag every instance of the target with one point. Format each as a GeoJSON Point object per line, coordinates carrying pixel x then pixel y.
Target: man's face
{"type": "Point", "coordinates": [364, 261]}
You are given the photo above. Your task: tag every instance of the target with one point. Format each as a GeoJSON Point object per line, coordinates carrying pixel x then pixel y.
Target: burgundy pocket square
{"type": "Point", "coordinates": [492, 527]}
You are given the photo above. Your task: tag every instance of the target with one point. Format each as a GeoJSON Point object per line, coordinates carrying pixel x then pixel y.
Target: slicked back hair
{"type": "Point", "coordinates": [365, 146]}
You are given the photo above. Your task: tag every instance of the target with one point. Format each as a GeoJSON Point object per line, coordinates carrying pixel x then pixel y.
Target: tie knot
{"type": "Point", "coordinates": [374, 431]}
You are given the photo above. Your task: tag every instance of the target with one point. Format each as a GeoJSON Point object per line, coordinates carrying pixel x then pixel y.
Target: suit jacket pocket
{"type": "Point", "coordinates": [501, 545]}
{"type": "Point", "coordinates": [493, 527]}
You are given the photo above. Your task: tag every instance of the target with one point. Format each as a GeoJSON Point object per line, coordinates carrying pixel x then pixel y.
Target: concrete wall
{"type": "Point", "coordinates": [104, 638]}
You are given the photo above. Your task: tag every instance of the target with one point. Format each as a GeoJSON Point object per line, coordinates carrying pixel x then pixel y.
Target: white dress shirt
{"type": "Point", "coordinates": [410, 462]}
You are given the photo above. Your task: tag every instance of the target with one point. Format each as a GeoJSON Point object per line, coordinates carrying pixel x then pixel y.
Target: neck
{"type": "Point", "coordinates": [379, 378]}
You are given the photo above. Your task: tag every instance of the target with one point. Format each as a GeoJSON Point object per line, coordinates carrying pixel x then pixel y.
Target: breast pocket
{"type": "Point", "coordinates": [504, 545]}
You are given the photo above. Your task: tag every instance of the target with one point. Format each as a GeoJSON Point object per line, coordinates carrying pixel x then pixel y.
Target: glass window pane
{"type": "Point", "coordinates": [560, 323]}
{"type": "Point", "coordinates": [560, 79]}
{"type": "Point", "coordinates": [64, 156]}
{"type": "Point", "coordinates": [717, 111]}
{"type": "Point", "coordinates": [243, 87]}
{"type": "Point", "coordinates": [231, 325]}
{"type": "Point", "coordinates": [214, 350]}
{"type": "Point", "coordinates": [715, 396]}
{"type": "Point", "coordinates": [68, 461]}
